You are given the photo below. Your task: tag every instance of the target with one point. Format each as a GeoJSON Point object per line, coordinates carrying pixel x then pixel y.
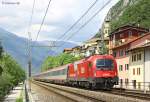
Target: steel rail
{"type": "Point", "coordinates": [130, 93]}
{"type": "Point", "coordinates": [114, 92]}
{"type": "Point", "coordinates": [74, 94]}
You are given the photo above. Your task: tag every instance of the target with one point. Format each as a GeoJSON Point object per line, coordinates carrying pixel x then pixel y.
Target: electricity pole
{"type": "Point", "coordinates": [29, 61]}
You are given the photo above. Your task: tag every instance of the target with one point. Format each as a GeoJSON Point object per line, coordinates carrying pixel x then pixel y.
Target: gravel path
{"type": "Point", "coordinates": [14, 94]}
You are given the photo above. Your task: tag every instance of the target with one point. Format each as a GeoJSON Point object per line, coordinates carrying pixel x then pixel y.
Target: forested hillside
{"type": "Point", "coordinates": [136, 12]}
{"type": "Point", "coordinates": [11, 73]}
{"type": "Point", "coordinates": [54, 61]}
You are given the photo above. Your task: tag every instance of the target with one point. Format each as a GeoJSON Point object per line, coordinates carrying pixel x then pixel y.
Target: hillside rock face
{"type": "Point", "coordinates": [130, 12]}
{"type": "Point", "coordinates": [116, 11]}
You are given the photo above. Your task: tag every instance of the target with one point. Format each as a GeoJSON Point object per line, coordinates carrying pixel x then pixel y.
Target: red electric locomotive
{"type": "Point", "coordinates": [97, 71]}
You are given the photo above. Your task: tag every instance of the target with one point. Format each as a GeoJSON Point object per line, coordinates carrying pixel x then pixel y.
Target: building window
{"type": "Point", "coordinates": [115, 54]}
{"type": "Point", "coordinates": [126, 66]}
{"type": "Point", "coordinates": [138, 71]}
{"type": "Point", "coordinates": [134, 58]}
{"type": "Point", "coordinates": [121, 35]}
{"type": "Point", "coordinates": [126, 52]}
{"type": "Point", "coordinates": [133, 71]}
{"type": "Point", "coordinates": [139, 56]}
{"type": "Point", "coordinates": [120, 68]}
{"type": "Point", "coordinates": [130, 33]}
{"type": "Point", "coordinates": [121, 53]}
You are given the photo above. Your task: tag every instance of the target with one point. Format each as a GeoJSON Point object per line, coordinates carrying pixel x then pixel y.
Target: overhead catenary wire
{"type": "Point", "coordinates": [30, 21]}
{"type": "Point", "coordinates": [87, 22]}
{"type": "Point", "coordinates": [78, 20]}
{"type": "Point", "coordinates": [29, 28]}
{"type": "Point", "coordinates": [43, 20]}
{"type": "Point", "coordinates": [29, 44]}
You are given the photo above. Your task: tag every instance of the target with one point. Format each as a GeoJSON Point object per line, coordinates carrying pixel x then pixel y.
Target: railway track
{"type": "Point", "coordinates": [68, 94]}
{"type": "Point", "coordinates": [130, 93]}
{"type": "Point", "coordinates": [82, 95]}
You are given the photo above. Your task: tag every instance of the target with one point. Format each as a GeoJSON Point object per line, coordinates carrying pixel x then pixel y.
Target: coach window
{"type": "Point", "coordinates": [60, 72]}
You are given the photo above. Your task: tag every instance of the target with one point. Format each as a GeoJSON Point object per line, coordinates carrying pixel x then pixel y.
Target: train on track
{"type": "Point", "coordinates": [95, 72]}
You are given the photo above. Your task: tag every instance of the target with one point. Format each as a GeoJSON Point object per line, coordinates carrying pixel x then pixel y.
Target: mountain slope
{"type": "Point", "coordinates": [17, 47]}
{"type": "Point", "coordinates": [136, 12]}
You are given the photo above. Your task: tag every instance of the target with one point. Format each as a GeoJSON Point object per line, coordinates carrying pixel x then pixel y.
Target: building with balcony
{"type": "Point", "coordinates": [119, 44]}
{"type": "Point", "coordinates": [123, 35]}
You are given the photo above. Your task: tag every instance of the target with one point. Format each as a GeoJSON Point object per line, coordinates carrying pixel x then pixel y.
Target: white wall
{"type": "Point", "coordinates": [147, 67]}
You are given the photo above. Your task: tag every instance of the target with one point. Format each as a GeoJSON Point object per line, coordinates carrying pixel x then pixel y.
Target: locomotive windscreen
{"type": "Point", "coordinates": [104, 64]}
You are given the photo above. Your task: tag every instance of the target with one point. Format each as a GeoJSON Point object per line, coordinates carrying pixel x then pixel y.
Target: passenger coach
{"type": "Point", "coordinates": [97, 71]}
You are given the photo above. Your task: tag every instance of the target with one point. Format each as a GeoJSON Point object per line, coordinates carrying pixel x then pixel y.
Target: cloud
{"type": "Point", "coordinates": [61, 15]}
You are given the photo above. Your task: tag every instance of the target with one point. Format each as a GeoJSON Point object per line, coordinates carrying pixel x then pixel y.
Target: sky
{"type": "Point", "coordinates": [15, 16]}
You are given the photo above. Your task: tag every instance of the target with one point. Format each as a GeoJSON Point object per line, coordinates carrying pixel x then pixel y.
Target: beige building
{"type": "Point", "coordinates": [139, 63]}
{"type": "Point", "coordinates": [140, 67]}
{"type": "Point", "coordinates": [93, 46]}
{"type": "Point", "coordinates": [136, 69]}
{"type": "Point", "coordinates": [76, 51]}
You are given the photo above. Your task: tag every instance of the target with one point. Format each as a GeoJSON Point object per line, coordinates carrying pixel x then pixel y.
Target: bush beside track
{"type": "Point", "coordinates": [11, 73]}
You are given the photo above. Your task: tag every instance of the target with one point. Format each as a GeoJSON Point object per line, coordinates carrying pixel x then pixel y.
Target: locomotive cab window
{"type": "Point", "coordinates": [104, 64]}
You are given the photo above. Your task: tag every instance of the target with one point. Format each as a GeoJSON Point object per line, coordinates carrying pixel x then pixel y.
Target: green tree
{"type": "Point", "coordinates": [138, 13]}
{"type": "Point", "coordinates": [59, 60]}
{"type": "Point", "coordinates": [1, 51]}
{"type": "Point", "coordinates": [12, 74]}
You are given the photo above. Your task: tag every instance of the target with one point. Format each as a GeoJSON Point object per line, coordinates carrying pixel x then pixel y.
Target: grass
{"type": "Point", "coordinates": [20, 98]}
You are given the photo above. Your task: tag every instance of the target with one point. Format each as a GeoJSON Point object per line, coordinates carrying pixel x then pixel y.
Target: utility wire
{"type": "Point", "coordinates": [29, 26]}
{"type": "Point", "coordinates": [43, 20]}
{"type": "Point", "coordinates": [78, 19]}
{"type": "Point", "coordinates": [87, 21]}
{"type": "Point", "coordinates": [29, 42]}
{"type": "Point", "coordinates": [30, 22]}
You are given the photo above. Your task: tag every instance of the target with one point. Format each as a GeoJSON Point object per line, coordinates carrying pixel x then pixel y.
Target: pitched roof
{"type": "Point", "coordinates": [140, 46]}
{"type": "Point", "coordinates": [127, 27]}
{"type": "Point", "coordinates": [130, 41]}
